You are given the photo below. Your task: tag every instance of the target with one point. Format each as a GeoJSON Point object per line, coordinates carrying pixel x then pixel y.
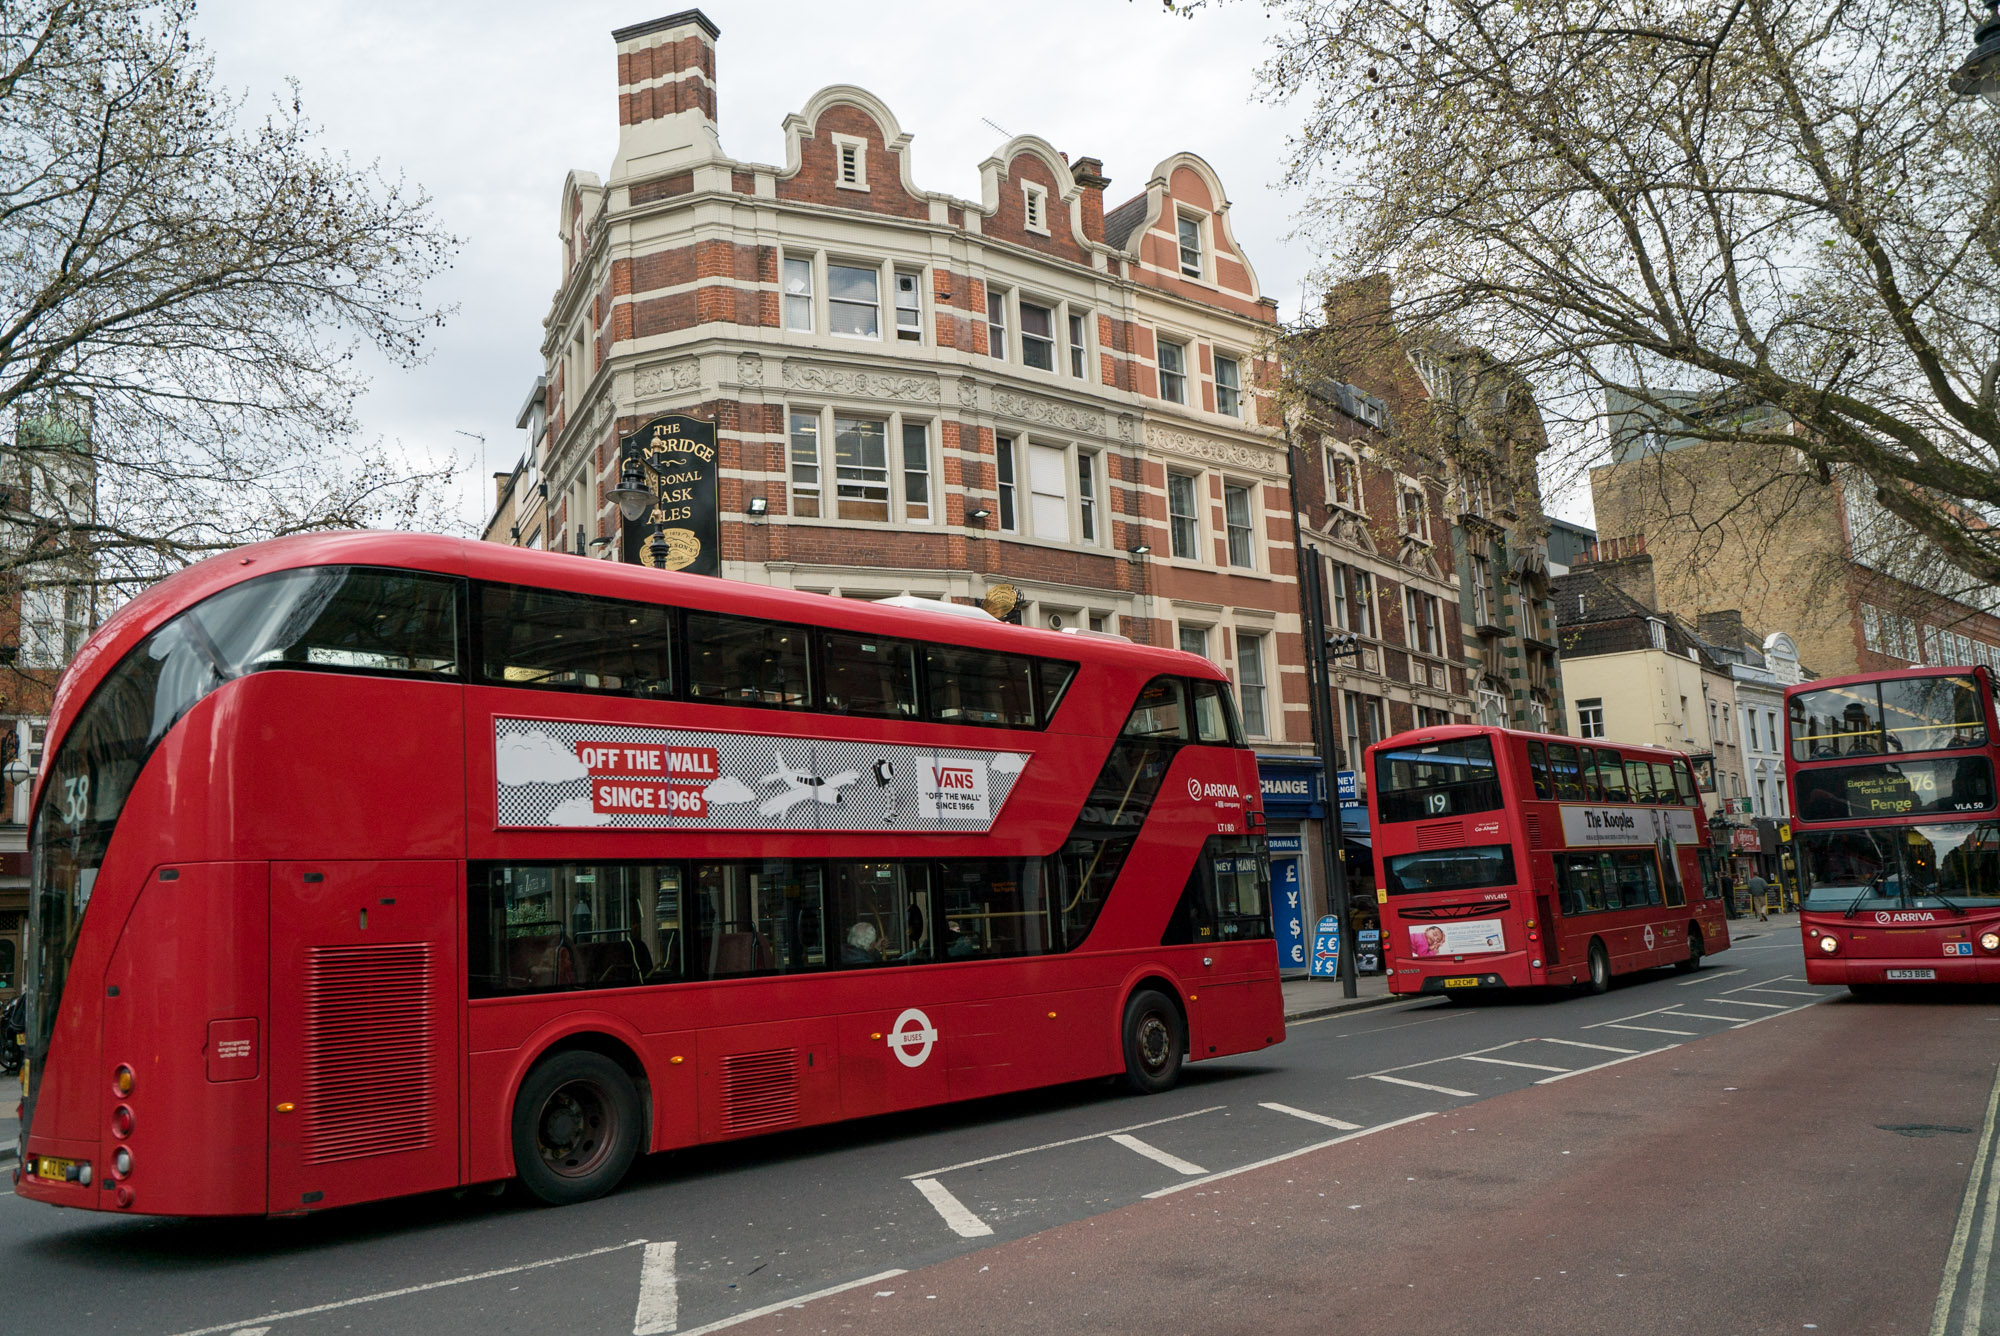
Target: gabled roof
{"type": "Point", "coordinates": [1123, 221]}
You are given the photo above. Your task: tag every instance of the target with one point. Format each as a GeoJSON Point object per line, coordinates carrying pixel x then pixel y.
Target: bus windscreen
{"type": "Point", "coordinates": [1433, 779]}
{"type": "Point", "coordinates": [1901, 867]}
{"type": "Point", "coordinates": [1910, 714]}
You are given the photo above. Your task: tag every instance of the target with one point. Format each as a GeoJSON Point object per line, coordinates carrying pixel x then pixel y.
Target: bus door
{"type": "Point", "coordinates": [365, 983]}
{"type": "Point", "coordinates": [1551, 939]}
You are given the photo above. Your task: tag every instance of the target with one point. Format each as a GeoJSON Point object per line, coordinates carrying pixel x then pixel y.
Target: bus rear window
{"type": "Point", "coordinates": [1909, 714]}
{"type": "Point", "coordinates": [1439, 779]}
{"type": "Point", "coordinates": [1479, 868]}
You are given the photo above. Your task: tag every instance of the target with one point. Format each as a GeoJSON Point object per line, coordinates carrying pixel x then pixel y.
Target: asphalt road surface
{"type": "Point", "coordinates": [1732, 1151]}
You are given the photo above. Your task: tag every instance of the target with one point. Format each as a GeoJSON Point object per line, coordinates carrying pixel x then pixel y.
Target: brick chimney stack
{"type": "Point", "coordinates": [666, 95]}
{"type": "Point", "coordinates": [1089, 174]}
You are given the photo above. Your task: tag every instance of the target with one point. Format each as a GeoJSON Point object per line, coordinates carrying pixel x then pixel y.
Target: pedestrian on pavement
{"type": "Point", "coordinates": [1760, 891]}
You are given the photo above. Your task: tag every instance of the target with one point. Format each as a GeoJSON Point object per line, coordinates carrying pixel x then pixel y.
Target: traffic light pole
{"type": "Point", "coordinates": [1320, 652]}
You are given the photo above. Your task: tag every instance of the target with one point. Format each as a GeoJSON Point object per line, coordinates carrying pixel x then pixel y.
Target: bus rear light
{"type": "Point", "coordinates": [121, 1121]}
{"type": "Point", "coordinates": [1990, 941]}
{"type": "Point", "coordinates": [1536, 964]}
{"type": "Point", "coordinates": [122, 1080]}
{"type": "Point", "coordinates": [1534, 936]}
{"type": "Point", "coordinates": [121, 1161]}
{"type": "Point", "coordinates": [1828, 944]}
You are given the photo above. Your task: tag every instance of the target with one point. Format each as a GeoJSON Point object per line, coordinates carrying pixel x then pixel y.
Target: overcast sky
{"type": "Point", "coordinates": [488, 106]}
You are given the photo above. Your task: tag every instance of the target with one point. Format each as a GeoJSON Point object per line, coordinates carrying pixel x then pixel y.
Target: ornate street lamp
{"type": "Point", "coordinates": [632, 497]}
{"type": "Point", "coordinates": [1979, 75]}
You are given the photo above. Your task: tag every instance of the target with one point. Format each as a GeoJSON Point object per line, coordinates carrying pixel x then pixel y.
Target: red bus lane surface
{"type": "Point", "coordinates": [1748, 1183]}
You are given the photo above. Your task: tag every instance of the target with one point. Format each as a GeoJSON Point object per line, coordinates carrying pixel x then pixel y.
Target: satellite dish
{"type": "Point", "coordinates": [1000, 600]}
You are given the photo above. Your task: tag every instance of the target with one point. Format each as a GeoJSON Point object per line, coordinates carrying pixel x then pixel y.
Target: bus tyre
{"type": "Point", "coordinates": [1155, 1037]}
{"type": "Point", "coordinates": [577, 1123]}
{"type": "Point", "coordinates": [1693, 962]}
{"type": "Point", "coordinates": [1600, 970]}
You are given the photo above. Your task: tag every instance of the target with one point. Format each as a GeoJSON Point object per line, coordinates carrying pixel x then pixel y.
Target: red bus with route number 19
{"type": "Point", "coordinates": [1896, 827]}
{"type": "Point", "coordinates": [1509, 860]}
{"type": "Point", "coordinates": [369, 864]}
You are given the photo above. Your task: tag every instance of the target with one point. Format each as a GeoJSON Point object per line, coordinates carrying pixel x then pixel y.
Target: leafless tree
{"type": "Point", "coordinates": [1771, 201]}
{"type": "Point", "coordinates": [183, 291]}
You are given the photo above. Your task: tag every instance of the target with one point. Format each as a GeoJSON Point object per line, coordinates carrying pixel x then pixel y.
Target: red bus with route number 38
{"type": "Point", "coordinates": [369, 864]}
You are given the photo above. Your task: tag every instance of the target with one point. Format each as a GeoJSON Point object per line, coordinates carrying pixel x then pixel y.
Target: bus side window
{"type": "Point", "coordinates": [973, 686]}
{"type": "Point", "coordinates": [1563, 763]}
{"type": "Point", "coordinates": [547, 638]}
{"type": "Point", "coordinates": [1663, 784]}
{"type": "Point", "coordinates": [741, 661]}
{"type": "Point", "coordinates": [870, 675]}
{"type": "Point", "coordinates": [993, 907]}
{"type": "Point", "coordinates": [1587, 775]}
{"type": "Point", "coordinates": [1538, 766]}
{"type": "Point", "coordinates": [1684, 780]}
{"type": "Point", "coordinates": [1211, 712]}
{"type": "Point", "coordinates": [1053, 676]}
{"type": "Point", "coordinates": [1160, 712]}
{"type": "Point", "coordinates": [1611, 775]}
{"type": "Point", "coordinates": [1639, 780]}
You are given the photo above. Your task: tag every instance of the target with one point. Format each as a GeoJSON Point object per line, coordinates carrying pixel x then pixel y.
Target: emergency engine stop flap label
{"type": "Point", "coordinates": [560, 773]}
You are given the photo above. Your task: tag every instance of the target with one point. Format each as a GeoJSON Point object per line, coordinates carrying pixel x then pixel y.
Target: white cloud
{"type": "Point", "coordinates": [536, 758]}
{"type": "Point", "coordinates": [730, 789]}
{"type": "Point", "coordinates": [1008, 763]}
{"type": "Point", "coordinates": [577, 812]}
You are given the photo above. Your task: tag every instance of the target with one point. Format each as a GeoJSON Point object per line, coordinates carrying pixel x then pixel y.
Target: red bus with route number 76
{"type": "Point", "coordinates": [368, 864]}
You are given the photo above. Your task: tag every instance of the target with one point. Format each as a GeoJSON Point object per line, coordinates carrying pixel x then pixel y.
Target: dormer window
{"type": "Point", "coordinates": [851, 162]}
{"type": "Point", "coordinates": [1190, 239]}
{"type": "Point", "coordinates": [1035, 202]}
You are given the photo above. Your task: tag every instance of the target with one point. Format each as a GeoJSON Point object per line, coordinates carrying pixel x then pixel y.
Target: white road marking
{"type": "Point", "coordinates": [1419, 1085]}
{"type": "Point", "coordinates": [1707, 977]}
{"type": "Point", "coordinates": [1759, 1020]}
{"type": "Point", "coordinates": [1743, 1002]}
{"type": "Point", "coordinates": [1280, 1159]}
{"type": "Point", "coordinates": [963, 1222]}
{"type": "Point", "coordinates": [1634, 1057]}
{"type": "Point", "coordinates": [1955, 1259]}
{"type": "Point", "coordinates": [1577, 1043]}
{"type": "Point", "coordinates": [250, 1331]}
{"type": "Point", "coordinates": [1509, 1062]}
{"type": "Point", "coordinates": [659, 1308]}
{"type": "Point", "coordinates": [1788, 992]}
{"type": "Point", "coordinates": [1635, 1016]}
{"type": "Point", "coordinates": [1312, 1117]}
{"type": "Point", "coordinates": [225, 1328]}
{"type": "Point", "coordinates": [1432, 1062]}
{"type": "Point", "coordinates": [1154, 1153]}
{"type": "Point", "coordinates": [799, 1302]}
{"type": "Point", "coordinates": [1704, 1016]}
{"type": "Point", "coordinates": [1052, 1145]}
{"type": "Point", "coordinates": [1655, 1029]}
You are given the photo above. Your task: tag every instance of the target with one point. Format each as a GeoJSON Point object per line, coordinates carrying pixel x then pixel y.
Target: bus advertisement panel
{"type": "Point", "coordinates": [371, 864]}
{"type": "Point", "coordinates": [1517, 860]}
{"type": "Point", "coordinates": [1894, 815]}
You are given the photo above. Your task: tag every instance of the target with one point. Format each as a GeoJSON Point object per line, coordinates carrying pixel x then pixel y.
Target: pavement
{"type": "Point", "coordinates": [1307, 998]}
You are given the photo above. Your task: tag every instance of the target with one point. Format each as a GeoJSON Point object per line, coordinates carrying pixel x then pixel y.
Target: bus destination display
{"type": "Point", "coordinates": [1896, 788]}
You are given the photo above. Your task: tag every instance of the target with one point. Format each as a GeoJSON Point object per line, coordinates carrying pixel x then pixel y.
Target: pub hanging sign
{"type": "Point", "coordinates": [682, 533]}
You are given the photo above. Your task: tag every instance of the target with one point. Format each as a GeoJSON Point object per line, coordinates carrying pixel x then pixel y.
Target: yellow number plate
{"type": "Point", "coordinates": [1461, 983]}
{"type": "Point", "coordinates": [56, 1171]}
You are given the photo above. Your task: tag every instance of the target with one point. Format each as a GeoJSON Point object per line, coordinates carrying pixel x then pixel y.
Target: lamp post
{"type": "Point", "coordinates": [1322, 649]}
{"type": "Point", "coordinates": [1979, 74]}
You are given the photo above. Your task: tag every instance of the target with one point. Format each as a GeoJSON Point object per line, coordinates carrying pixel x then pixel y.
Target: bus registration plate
{"type": "Point", "coordinates": [1471, 982]}
{"type": "Point", "coordinates": [1910, 974]}
{"type": "Point", "coordinates": [56, 1171]}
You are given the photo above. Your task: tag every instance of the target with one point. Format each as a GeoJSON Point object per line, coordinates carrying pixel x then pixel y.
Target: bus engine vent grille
{"type": "Point", "coordinates": [760, 1090]}
{"type": "Point", "coordinates": [1441, 835]}
{"type": "Point", "coordinates": [369, 1085]}
{"type": "Point", "coordinates": [1533, 823]}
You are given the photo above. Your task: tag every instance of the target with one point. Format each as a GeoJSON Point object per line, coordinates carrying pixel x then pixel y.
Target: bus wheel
{"type": "Point", "coordinates": [1693, 962]}
{"type": "Point", "coordinates": [576, 1127]}
{"type": "Point", "coordinates": [1155, 1036]}
{"type": "Point", "coordinates": [1600, 969]}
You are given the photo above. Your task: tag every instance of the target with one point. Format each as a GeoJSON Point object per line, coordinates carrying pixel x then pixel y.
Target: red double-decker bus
{"type": "Point", "coordinates": [368, 864]}
{"type": "Point", "coordinates": [1894, 818]}
{"type": "Point", "coordinates": [1519, 860]}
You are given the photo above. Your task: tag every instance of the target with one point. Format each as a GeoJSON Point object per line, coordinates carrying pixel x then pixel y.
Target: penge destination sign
{"type": "Point", "coordinates": [680, 458]}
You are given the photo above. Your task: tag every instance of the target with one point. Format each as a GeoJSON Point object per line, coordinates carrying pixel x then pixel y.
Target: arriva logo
{"type": "Point", "coordinates": [1198, 790]}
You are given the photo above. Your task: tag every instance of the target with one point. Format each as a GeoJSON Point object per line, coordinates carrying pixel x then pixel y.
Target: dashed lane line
{"type": "Point", "coordinates": [1578, 1043]}
{"type": "Point", "coordinates": [1707, 977]}
{"type": "Point", "coordinates": [1655, 1029]}
{"type": "Point", "coordinates": [1066, 1141]}
{"type": "Point", "coordinates": [1788, 992]}
{"type": "Point", "coordinates": [1421, 1085]}
{"type": "Point", "coordinates": [800, 1302]}
{"type": "Point", "coordinates": [1288, 1155]}
{"type": "Point", "coordinates": [1509, 1062]}
{"type": "Point", "coordinates": [1158, 1156]}
{"type": "Point", "coordinates": [1704, 1016]}
{"type": "Point", "coordinates": [962, 1221]}
{"type": "Point", "coordinates": [1759, 1020]}
{"type": "Point", "coordinates": [1635, 1016]}
{"type": "Point", "coordinates": [1630, 1057]}
{"type": "Point", "coordinates": [1320, 1118]}
{"type": "Point", "coordinates": [1744, 1002]}
{"type": "Point", "coordinates": [659, 1309]}
{"type": "Point", "coordinates": [220, 1329]}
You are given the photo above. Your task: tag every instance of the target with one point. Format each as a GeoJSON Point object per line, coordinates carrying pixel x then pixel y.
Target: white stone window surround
{"type": "Point", "coordinates": [895, 420]}
{"type": "Point", "coordinates": [850, 162]}
{"type": "Point", "coordinates": [1191, 221]}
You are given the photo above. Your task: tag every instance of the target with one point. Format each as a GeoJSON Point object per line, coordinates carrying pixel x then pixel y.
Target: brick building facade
{"type": "Point", "coordinates": [915, 393]}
